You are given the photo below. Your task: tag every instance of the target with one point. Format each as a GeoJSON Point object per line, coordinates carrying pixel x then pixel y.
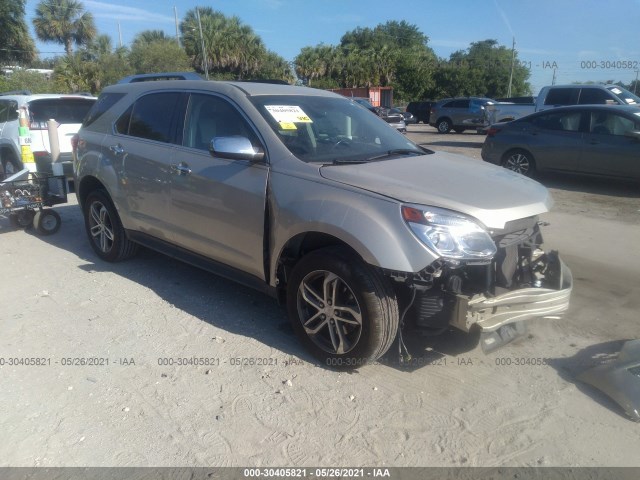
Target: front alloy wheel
{"type": "Point", "coordinates": [344, 311]}
{"type": "Point", "coordinates": [329, 312]}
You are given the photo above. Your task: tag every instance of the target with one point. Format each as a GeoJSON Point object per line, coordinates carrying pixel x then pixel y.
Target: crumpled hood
{"type": "Point", "coordinates": [493, 195]}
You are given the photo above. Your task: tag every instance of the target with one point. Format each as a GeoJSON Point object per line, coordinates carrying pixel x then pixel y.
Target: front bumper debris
{"type": "Point", "coordinates": [620, 379]}
{"type": "Point", "coordinates": [492, 313]}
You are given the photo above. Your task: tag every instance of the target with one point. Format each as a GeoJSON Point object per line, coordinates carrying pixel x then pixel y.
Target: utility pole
{"type": "Point", "coordinates": [513, 59]}
{"type": "Point", "coordinates": [553, 81]}
{"type": "Point", "coordinates": [635, 85]}
{"type": "Point", "coordinates": [204, 52]}
{"type": "Point", "coordinates": [175, 14]}
{"type": "Point", "coordinates": [119, 35]}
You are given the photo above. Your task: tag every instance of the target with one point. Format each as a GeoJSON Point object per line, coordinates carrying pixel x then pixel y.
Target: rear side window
{"type": "Point", "coordinates": [562, 96]}
{"type": "Point", "coordinates": [62, 110]}
{"type": "Point", "coordinates": [460, 103]}
{"type": "Point", "coordinates": [105, 102]}
{"type": "Point", "coordinates": [559, 121]}
{"type": "Point", "coordinates": [151, 117]}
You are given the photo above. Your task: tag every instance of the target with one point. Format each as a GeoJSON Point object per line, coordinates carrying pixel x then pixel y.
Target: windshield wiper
{"type": "Point", "coordinates": [396, 151]}
{"type": "Point", "coordinates": [347, 161]}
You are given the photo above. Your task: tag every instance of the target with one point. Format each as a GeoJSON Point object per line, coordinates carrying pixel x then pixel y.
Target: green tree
{"type": "Point", "coordinates": [158, 56]}
{"type": "Point", "coordinates": [16, 44]}
{"type": "Point", "coordinates": [22, 80]}
{"type": "Point", "coordinates": [73, 73]}
{"type": "Point", "coordinates": [391, 54]}
{"type": "Point", "coordinates": [483, 69]}
{"type": "Point", "coordinates": [233, 49]}
{"type": "Point", "coordinates": [65, 22]}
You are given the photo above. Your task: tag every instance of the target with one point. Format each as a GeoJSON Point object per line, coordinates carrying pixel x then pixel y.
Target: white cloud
{"type": "Point", "coordinates": [120, 12]}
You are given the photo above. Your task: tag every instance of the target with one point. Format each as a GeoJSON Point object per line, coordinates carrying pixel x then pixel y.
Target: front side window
{"type": "Point", "coordinates": [329, 129]}
{"type": "Point", "coordinates": [607, 123]}
{"type": "Point", "coordinates": [151, 117]}
{"type": "Point", "coordinates": [208, 117]}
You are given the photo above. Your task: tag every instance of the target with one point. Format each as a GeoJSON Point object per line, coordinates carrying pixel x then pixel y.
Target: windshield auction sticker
{"type": "Point", "coordinates": [288, 115]}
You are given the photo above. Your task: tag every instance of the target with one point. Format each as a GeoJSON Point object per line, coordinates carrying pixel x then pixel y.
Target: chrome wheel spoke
{"type": "Point", "coordinates": [314, 319]}
{"type": "Point", "coordinates": [356, 318]}
{"type": "Point", "coordinates": [311, 297]}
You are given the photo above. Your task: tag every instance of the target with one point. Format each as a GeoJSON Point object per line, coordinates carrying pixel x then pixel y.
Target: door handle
{"type": "Point", "coordinates": [117, 149]}
{"type": "Point", "coordinates": [180, 168]}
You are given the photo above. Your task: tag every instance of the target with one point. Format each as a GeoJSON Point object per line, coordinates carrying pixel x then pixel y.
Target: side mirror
{"type": "Point", "coordinates": [235, 148]}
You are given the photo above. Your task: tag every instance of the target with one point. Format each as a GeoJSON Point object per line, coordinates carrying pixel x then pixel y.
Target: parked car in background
{"type": "Point", "coordinates": [421, 110]}
{"type": "Point", "coordinates": [306, 196]}
{"type": "Point", "coordinates": [67, 110]}
{"type": "Point", "coordinates": [560, 96]}
{"type": "Point", "coordinates": [459, 114]}
{"type": "Point", "coordinates": [408, 116]}
{"type": "Point", "coordinates": [393, 117]}
{"type": "Point", "coordinates": [365, 103]}
{"type": "Point", "coordinates": [590, 139]}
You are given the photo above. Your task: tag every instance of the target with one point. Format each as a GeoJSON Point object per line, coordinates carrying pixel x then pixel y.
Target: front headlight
{"type": "Point", "coordinates": [449, 234]}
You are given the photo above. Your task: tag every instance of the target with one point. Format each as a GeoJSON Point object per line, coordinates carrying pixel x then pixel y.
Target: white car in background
{"type": "Point", "coordinates": [67, 110]}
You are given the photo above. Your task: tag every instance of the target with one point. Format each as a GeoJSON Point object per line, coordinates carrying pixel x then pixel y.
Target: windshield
{"type": "Point", "coordinates": [331, 130]}
{"type": "Point", "coordinates": [626, 96]}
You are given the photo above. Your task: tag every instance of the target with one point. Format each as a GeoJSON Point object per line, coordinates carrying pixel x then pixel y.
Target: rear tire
{"type": "Point", "coordinates": [444, 125]}
{"type": "Point", "coordinates": [519, 161]}
{"type": "Point", "coordinates": [344, 311]}
{"type": "Point", "coordinates": [104, 229]}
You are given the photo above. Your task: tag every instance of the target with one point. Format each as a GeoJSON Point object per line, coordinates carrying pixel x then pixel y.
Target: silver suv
{"type": "Point", "coordinates": [459, 114]}
{"type": "Point", "coordinates": [305, 195]}
{"type": "Point", "coordinates": [67, 110]}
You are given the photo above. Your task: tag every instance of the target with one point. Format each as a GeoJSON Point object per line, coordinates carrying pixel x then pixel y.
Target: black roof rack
{"type": "Point", "coordinates": [150, 77]}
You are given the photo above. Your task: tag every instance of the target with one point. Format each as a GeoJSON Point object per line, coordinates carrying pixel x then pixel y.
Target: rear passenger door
{"type": "Point", "coordinates": [218, 204]}
{"type": "Point", "coordinates": [142, 151]}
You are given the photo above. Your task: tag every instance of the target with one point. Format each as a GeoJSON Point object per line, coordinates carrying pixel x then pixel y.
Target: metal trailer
{"type": "Point", "coordinates": [25, 196]}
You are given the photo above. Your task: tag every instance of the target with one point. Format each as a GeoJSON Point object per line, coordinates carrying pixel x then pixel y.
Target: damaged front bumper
{"type": "Point", "coordinates": [492, 313]}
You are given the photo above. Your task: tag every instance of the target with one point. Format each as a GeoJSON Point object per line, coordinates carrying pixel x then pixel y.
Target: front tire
{"type": "Point", "coordinates": [104, 229]}
{"type": "Point", "coordinates": [344, 311]}
{"type": "Point", "coordinates": [519, 161]}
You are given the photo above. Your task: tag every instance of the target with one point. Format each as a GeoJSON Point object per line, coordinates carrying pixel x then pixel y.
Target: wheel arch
{"type": "Point", "coordinates": [87, 185]}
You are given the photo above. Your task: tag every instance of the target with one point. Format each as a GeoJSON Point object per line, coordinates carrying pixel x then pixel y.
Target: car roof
{"type": "Point", "coordinates": [582, 85]}
{"type": "Point", "coordinates": [623, 108]}
{"type": "Point", "coordinates": [249, 88]}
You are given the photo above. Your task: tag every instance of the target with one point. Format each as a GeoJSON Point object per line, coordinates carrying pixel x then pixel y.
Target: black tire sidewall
{"type": "Point", "coordinates": [355, 273]}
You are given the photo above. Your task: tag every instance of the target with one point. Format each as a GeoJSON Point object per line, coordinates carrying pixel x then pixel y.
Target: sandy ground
{"type": "Point", "coordinates": [260, 401]}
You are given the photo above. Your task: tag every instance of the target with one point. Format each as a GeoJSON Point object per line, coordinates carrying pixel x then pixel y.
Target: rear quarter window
{"type": "Point", "coordinates": [105, 102]}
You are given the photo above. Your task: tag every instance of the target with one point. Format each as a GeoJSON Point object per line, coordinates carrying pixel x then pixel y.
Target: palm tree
{"type": "Point", "coordinates": [17, 44]}
{"type": "Point", "coordinates": [65, 22]}
{"type": "Point", "coordinates": [148, 36]}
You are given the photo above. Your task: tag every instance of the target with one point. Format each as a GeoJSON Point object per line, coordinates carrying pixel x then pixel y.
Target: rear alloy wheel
{"type": "Point", "coordinates": [519, 161]}
{"type": "Point", "coordinates": [444, 125]}
{"type": "Point", "coordinates": [47, 222]}
{"type": "Point", "coordinates": [343, 310]}
{"type": "Point", "coordinates": [104, 229]}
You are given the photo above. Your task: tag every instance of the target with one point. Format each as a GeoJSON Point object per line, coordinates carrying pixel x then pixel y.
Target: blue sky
{"type": "Point", "coordinates": [548, 33]}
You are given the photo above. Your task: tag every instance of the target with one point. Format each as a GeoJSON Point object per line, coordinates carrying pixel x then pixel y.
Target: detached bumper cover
{"type": "Point", "coordinates": [518, 305]}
